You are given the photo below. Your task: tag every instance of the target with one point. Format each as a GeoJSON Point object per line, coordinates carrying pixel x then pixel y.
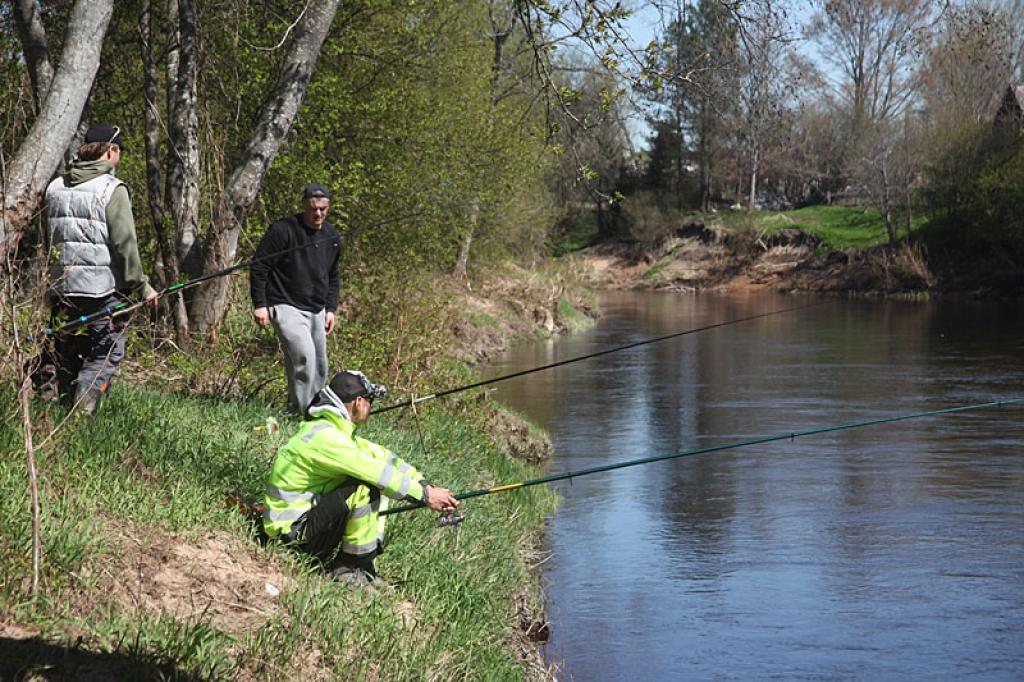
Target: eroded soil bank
{"type": "Point", "coordinates": [702, 257]}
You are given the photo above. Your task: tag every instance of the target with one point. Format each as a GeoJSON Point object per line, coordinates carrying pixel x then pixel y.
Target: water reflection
{"type": "Point", "coordinates": [891, 551]}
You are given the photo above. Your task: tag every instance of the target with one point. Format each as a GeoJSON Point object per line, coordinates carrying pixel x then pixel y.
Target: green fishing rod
{"type": "Point", "coordinates": [513, 375]}
{"type": "Point", "coordinates": [127, 306]}
{"type": "Point", "coordinates": [713, 448]}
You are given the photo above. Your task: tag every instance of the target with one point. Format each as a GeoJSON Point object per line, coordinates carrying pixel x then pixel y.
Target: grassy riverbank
{"type": "Point", "coordinates": [147, 572]}
{"type": "Point", "coordinates": [817, 248]}
{"type": "Point", "coordinates": [837, 227]}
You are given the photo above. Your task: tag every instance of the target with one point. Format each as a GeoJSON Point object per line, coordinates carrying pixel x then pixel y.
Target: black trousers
{"type": "Point", "coordinates": [319, 532]}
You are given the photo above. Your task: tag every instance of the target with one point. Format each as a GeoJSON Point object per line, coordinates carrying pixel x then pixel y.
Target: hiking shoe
{"type": "Point", "coordinates": [87, 401]}
{"type": "Point", "coordinates": [355, 577]}
{"type": "Point", "coordinates": [88, 404]}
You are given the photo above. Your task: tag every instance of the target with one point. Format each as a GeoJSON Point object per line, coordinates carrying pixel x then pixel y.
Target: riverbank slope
{"type": "Point", "coordinates": [774, 252]}
{"type": "Point", "coordinates": [148, 571]}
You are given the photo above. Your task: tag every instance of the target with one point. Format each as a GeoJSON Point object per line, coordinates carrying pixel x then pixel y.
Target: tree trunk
{"type": "Point", "coordinates": [210, 302]}
{"type": "Point", "coordinates": [755, 161]}
{"type": "Point", "coordinates": [890, 227]}
{"type": "Point", "coordinates": [183, 133]}
{"type": "Point", "coordinates": [462, 262]}
{"type": "Point", "coordinates": [41, 151]}
{"type": "Point", "coordinates": [32, 33]}
{"type": "Point", "coordinates": [704, 154]}
{"type": "Point", "coordinates": [168, 262]}
{"type": "Point", "coordinates": [502, 26]}
{"type": "Point", "coordinates": [680, 170]}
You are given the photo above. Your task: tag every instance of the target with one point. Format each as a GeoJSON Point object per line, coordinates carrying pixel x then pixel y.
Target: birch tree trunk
{"type": "Point", "coordinates": [462, 262]}
{"type": "Point", "coordinates": [183, 131]}
{"type": "Point", "coordinates": [41, 152]}
{"type": "Point", "coordinates": [755, 162]}
{"type": "Point", "coordinates": [210, 302]}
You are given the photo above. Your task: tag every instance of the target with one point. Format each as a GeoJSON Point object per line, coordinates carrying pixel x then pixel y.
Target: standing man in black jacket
{"type": "Point", "coordinates": [294, 285]}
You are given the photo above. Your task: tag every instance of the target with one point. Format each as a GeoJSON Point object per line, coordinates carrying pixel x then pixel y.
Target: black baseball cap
{"type": "Point", "coordinates": [104, 132]}
{"type": "Point", "coordinates": [351, 384]}
{"type": "Point", "coordinates": [315, 190]}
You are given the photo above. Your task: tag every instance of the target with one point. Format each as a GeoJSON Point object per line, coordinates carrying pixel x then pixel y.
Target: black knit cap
{"type": "Point", "coordinates": [347, 386]}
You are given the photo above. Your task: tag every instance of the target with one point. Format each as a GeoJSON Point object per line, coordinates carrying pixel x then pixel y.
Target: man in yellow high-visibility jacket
{"type": "Point", "coordinates": [326, 483]}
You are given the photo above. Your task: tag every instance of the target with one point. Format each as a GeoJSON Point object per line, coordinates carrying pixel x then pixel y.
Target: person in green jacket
{"type": "Point", "coordinates": [328, 485]}
{"type": "Point", "coordinates": [94, 265]}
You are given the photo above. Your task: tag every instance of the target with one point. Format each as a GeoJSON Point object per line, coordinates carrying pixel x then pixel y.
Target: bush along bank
{"type": "Point", "coordinates": [147, 571]}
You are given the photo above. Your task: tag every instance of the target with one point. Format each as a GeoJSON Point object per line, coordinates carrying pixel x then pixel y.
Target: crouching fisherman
{"type": "Point", "coordinates": [326, 484]}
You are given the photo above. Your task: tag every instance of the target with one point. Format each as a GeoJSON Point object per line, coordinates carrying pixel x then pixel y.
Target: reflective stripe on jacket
{"type": "Point", "coordinates": [77, 220]}
{"type": "Point", "coordinates": [321, 457]}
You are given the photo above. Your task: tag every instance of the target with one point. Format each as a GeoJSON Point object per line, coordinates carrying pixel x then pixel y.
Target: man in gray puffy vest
{"type": "Point", "coordinates": [94, 264]}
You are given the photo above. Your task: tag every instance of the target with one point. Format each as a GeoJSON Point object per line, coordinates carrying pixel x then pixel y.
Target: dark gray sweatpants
{"type": "Point", "coordinates": [304, 342]}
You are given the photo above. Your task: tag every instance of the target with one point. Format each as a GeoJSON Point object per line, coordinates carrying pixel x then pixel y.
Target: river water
{"type": "Point", "coordinates": [887, 552]}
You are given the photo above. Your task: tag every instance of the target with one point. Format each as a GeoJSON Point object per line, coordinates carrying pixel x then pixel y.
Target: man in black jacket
{"type": "Point", "coordinates": [294, 285]}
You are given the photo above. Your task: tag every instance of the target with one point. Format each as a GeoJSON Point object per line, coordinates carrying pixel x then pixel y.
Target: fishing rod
{"type": "Point", "coordinates": [713, 448]}
{"type": "Point", "coordinates": [126, 306]}
{"type": "Point", "coordinates": [513, 375]}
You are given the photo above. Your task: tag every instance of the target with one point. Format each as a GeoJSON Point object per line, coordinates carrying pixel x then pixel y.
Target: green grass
{"type": "Point", "coordinates": [572, 319]}
{"type": "Point", "coordinates": [161, 464]}
{"type": "Point", "coordinates": [839, 227]}
{"type": "Point", "coordinates": [655, 269]}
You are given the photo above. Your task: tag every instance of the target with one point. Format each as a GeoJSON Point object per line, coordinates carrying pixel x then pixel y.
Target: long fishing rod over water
{"type": "Point", "coordinates": [713, 448]}
{"type": "Point", "coordinates": [494, 380]}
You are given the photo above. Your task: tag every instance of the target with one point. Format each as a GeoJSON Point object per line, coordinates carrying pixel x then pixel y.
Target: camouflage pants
{"type": "Point", "coordinates": [87, 358]}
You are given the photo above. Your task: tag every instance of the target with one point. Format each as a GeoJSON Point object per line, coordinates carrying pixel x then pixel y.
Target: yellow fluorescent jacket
{"type": "Point", "coordinates": [319, 458]}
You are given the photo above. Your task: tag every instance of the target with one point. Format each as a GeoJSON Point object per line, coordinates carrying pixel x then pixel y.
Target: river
{"type": "Point", "coordinates": [893, 551]}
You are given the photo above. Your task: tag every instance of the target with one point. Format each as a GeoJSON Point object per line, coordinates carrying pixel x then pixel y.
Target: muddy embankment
{"type": "Point", "coordinates": [704, 257]}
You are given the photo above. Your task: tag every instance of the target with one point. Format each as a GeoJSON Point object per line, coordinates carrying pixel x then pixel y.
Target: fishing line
{"type": "Point", "coordinates": [714, 448]}
{"type": "Point", "coordinates": [485, 382]}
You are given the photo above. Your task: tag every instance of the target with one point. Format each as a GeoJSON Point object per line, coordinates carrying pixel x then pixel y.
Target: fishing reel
{"type": "Point", "coordinates": [452, 518]}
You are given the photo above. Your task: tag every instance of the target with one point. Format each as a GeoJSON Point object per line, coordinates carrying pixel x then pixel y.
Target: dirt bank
{"type": "Point", "coordinates": [516, 304]}
{"type": "Point", "coordinates": [700, 257]}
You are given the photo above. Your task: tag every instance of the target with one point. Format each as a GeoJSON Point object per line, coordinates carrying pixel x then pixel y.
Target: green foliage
{"type": "Point", "coordinates": [974, 186]}
{"type": "Point", "coordinates": [410, 139]}
{"type": "Point", "coordinates": [574, 231]}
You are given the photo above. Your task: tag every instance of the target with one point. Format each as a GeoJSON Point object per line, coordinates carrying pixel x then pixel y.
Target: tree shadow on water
{"type": "Point", "coordinates": [36, 659]}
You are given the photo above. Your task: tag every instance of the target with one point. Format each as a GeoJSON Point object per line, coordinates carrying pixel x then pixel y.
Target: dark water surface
{"type": "Point", "coordinates": [886, 552]}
